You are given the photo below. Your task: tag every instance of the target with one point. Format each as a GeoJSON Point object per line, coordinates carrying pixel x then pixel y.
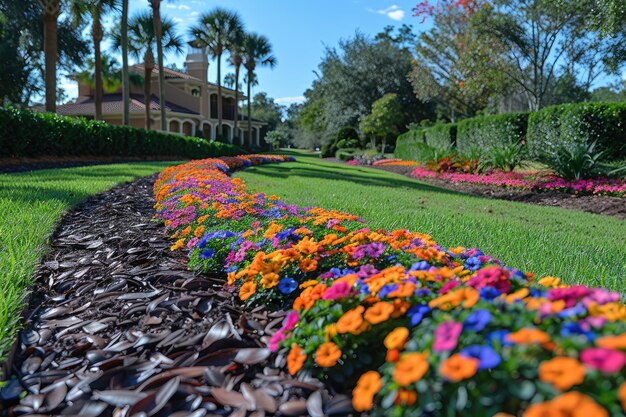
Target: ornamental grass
{"type": "Point", "coordinates": [409, 327]}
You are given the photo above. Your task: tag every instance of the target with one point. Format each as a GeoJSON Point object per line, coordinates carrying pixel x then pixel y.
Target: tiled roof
{"type": "Point", "coordinates": [173, 74]}
{"type": "Point", "coordinates": [113, 104]}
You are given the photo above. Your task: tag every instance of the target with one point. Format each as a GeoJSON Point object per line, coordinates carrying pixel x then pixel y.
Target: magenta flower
{"type": "Point", "coordinates": [337, 290]}
{"type": "Point", "coordinates": [447, 336]}
{"type": "Point", "coordinates": [606, 360]}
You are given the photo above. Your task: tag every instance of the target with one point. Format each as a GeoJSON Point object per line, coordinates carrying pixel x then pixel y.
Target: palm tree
{"type": "Point", "coordinates": [125, 75]}
{"type": "Point", "coordinates": [235, 49]}
{"type": "Point", "coordinates": [96, 10]}
{"type": "Point", "coordinates": [157, 23]}
{"type": "Point", "coordinates": [111, 75]}
{"type": "Point", "coordinates": [216, 31]}
{"type": "Point", "coordinates": [257, 53]}
{"type": "Point", "coordinates": [51, 11]}
{"type": "Point", "coordinates": [142, 41]}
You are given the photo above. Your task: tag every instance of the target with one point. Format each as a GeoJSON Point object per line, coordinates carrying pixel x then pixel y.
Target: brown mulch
{"type": "Point", "coordinates": [608, 206]}
{"type": "Point", "coordinates": [118, 326]}
{"type": "Point", "coordinates": [49, 162]}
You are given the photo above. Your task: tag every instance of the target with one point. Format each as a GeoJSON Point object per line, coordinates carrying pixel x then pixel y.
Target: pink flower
{"type": "Point", "coordinates": [447, 336]}
{"type": "Point", "coordinates": [291, 320]}
{"type": "Point", "coordinates": [337, 290]}
{"type": "Point", "coordinates": [192, 242]}
{"type": "Point", "coordinates": [606, 360]}
{"type": "Point", "coordinates": [276, 338]}
{"type": "Point", "coordinates": [449, 286]}
{"type": "Point", "coordinates": [493, 276]}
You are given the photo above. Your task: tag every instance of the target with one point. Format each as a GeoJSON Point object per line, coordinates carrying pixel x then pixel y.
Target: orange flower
{"type": "Point", "coordinates": [393, 355]}
{"type": "Point", "coordinates": [528, 336]}
{"type": "Point", "coordinates": [457, 368]}
{"type": "Point", "coordinates": [612, 342]}
{"type": "Point", "coordinates": [307, 265]}
{"type": "Point", "coordinates": [410, 368]}
{"type": "Point", "coordinates": [180, 243]}
{"type": "Point", "coordinates": [270, 280]}
{"type": "Point", "coordinates": [351, 320]}
{"type": "Point", "coordinates": [327, 355]}
{"type": "Point", "coordinates": [570, 404]}
{"type": "Point", "coordinates": [397, 338]}
{"type": "Point", "coordinates": [247, 290]}
{"type": "Point", "coordinates": [186, 231]}
{"type": "Point", "coordinates": [405, 397]}
{"type": "Point", "coordinates": [465, 297]}
{"type": "Point", "coordinates": [562, 372]}
{"type": "Point", "coordinates": [363, 394]}
{"type": "Point", "coordinates": [379, 312]}
{"type": "Point", "coordinates": [199, 231]}
{"type": "Point", "coordinates": [295, 359]}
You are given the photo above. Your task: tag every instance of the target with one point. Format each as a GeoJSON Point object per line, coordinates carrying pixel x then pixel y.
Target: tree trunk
{"type": "Point", "coordinates": [125, 76]}
{"type": "Point", "coordinates": [249, 109]}
{"type": "Point", "coordinates": [148, 67]}
{"type": "Point", "coordinates": [236, 101]}
{"type": "Point", "coordinates": [50, 47]}
{"type": "Point", "coordinates": [219, 96]}
{"type": "Point", "coordinates": [156, 19]}
{"type": "Point", "coordinates": [97, 39]}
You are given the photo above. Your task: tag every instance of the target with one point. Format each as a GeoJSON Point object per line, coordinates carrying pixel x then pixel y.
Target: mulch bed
{"type": "Point", "coordinates": [31, 164]}
{"type": "Point", "coordinates": [608, 206]}
{"type": "Point", "coordinates": [118, 326]}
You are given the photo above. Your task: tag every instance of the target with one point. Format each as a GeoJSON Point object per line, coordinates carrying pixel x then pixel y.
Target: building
{"type": "Point", "coordinates": [191, 104]}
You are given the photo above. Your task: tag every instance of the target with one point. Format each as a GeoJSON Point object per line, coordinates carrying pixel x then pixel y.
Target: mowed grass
{"type": "Point", "coordinates": [30, 206]}
{"type": "Point", "coordinates": [579, 247]}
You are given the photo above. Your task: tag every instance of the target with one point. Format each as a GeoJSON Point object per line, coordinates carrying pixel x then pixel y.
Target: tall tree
{"type": "Point", "coordinates": [142, 41]}
{"type": "Point", "coordinates": [125, 74]}
{"type": "Point", "coordinates": [235, 49]}
{"type": "Point", "coordinates": [216, 31]}
{"type": "Point", "coordinates": [51, 11]}
{"type": "Point", "coordinates": [96, 11]}
{"type": "Point", "coordinates": [111, 75]}
{"type": "Point", "coordinates": [257, 52]}
{"type": "Point", "coordinates": [158, 31]}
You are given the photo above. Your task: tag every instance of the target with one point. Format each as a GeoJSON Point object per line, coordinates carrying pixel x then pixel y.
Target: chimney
{"type": "Point", "coordinates": [198, 66]}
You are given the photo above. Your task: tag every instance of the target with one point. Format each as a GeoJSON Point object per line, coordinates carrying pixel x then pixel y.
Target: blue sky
{"type": "Point", "coordinates": [298, 30]}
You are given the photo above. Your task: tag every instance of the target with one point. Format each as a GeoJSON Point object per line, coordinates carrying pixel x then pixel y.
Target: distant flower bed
{"type": "Point", "coordinates": [409, 327]}
{"type": "Point", "coordinates": [531, 182]}
{"type": "Point", "coordinates": [395, 162]}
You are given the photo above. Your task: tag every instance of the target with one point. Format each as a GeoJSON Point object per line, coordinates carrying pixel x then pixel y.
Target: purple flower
{"type": "Point", "coordinates": [477, 320]}
{"type": "Point", "coordinates": [447, 336]}
{"type": "Point", "coordinates": [487, 357]}
{"type": "Point", "coordinates": [473, 263]}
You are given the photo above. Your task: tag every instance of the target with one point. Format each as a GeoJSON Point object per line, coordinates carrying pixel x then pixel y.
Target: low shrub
{"type": "Point", "coordinates": [25, 133]}
{"type": "Point", "coordinates": [346, 154]}
{"type": "Point", "coordinates": [505, 157]}
{"type": "Point", "coordinates": [568, 125]}
{"type": "Point", "coordinates": [489, 132]}
{"type": "Point", "coordinates": [441, 135]}
{"type": "Point", "coordinates": [576, 161]}
{"type": "Point", "coordinates": [409, 327]}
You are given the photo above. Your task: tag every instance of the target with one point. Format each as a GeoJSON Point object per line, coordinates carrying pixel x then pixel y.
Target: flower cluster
{"type": "Point", "coordinates": [395, 162]}
{"type": "Point", "coordinates": [530, 181]}
{"type": "Point", "coordinates": [411, 328]}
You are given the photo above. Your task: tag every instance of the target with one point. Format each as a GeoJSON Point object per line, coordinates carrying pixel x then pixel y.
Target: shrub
{"type": "Point", "coordinates": [347, 132]}
{"type": "Point", "coordinates": [489, 132]}
{"type": "Point", "coordinates": [32, 134]}
{"type": "Point", "coordinates": [346, 154]}
{"type": "Point", "coordinates": [408, 145]}
{"type": "Point", "coordinates": [441, 135]}
{"type": "Point", "coordinates": [576, 161]}
{"type": "Point", "coordinates": [552, 128]}
{"type": "Point", "coordinates": [505, 157]}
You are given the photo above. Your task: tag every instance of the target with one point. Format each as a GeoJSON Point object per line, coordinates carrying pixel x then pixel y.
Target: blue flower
{"type": "Point", "coordinates": [570, 329]}
{"type": "Point", "coordinates": [417, 313]}
{"type": "Point", "coordinates": [287, 285]}
{"type": "Point", "coordinates": [489, 293]}
{"type": "Point", "coordinates": [499, 336]}
{"type": "Point", "coordinates": [420, 266]}
{"type": "Point", "coordinates": [207, 253]}
{"type": "Point", "coordinates": [386, 289]}
{"type": "Point", "coordinates": [477, 320]}
{"type": "Point", "coordinates": [473, 263]}
{"type": "Point", "coordinates": [487, 357]}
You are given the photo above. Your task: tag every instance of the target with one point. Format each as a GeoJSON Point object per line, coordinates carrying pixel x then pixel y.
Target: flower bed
{"type": "Point", "coordinates": [395, 162]}
{"type": "Point", "coordinates": [410, 327]}
{"type": "Point", "coordinates": [531, 181]}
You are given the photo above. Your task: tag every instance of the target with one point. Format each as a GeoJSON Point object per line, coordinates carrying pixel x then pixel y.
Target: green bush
{"type": "Point", "coordinates": [347, 132]}
{"type": "Point", "coordinates": [24, 133]}
{"type": "Point", "coordinates": [347, 153]}
{"type": "Point", "coordinates": [504, 157]}
{"type": "Point", "coordinates": [441, 135]}
{"type": "Point", "coordinates": [489, 132]}
{"type": "Point", "coordinates": [576, 162]}
{"type": "Point", "coordinates": [569, 125]}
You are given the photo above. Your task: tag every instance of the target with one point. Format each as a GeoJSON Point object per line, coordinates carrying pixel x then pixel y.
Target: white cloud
{"type": "Point", "coordinates": [177, 20]}
{"type": "Point", "coordinates": [194, 14]}
{"type": "Point", "coordinates": [183, 7]}
{"type": "Point", "coordinates": [289, 100]}
{"type": "Point", "coordinates": [393, 12]}
{"type": "Point", "coordinates": [170, 6]}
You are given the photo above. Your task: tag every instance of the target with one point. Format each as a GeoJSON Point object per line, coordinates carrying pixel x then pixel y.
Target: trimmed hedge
{"type": "Point", "coordinates": [25, 133]}
{"type": "Point", "coordinates": [441, 135]}
{"type": "Point", "coordinates": [488, 132]}
{"type": "Point", "coordinates": [583, 123]}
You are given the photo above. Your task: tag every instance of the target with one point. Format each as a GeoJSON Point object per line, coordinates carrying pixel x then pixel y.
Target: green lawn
{"type": "Point", "coordinates": [30, 206]}
{"type": "Point", "coordinates": [577, 246]}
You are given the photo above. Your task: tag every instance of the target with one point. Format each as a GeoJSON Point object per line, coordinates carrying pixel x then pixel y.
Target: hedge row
{"type": "Point", "coordinates": [544, 131]}
{"type": "Point", "coordinates": [555, 126]}
{"type": "Point", "coordinates": [24, 133]}
{"type": "Point", "coordinates": [488, 132]}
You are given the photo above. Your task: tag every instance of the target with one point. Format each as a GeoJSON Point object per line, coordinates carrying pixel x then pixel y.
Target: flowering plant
{"type": "Point", "coordinates": [411, 328]}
